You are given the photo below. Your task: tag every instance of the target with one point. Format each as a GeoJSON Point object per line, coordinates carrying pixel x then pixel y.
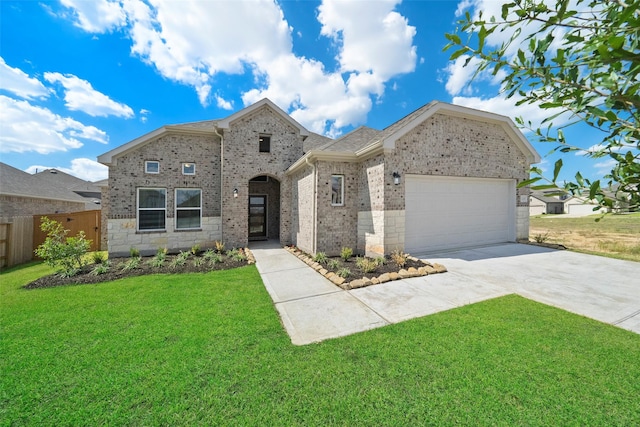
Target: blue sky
{"type": "Point", "coordinates": [79, 78]}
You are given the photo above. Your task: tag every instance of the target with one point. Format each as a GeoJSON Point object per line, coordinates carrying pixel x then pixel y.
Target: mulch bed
{"type": "Point", "coordinates": [116, 271]}
{"type": "Point", "coordinates": [358, 278]}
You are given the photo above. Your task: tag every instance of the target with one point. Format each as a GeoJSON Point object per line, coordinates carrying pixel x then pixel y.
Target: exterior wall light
{"type": "Point", "coordinates": [235, 193]}
{"type": "Point", "coordinates": [396, 178]}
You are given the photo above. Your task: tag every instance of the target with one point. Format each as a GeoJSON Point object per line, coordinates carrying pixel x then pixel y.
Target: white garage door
{"type": "Point", "coordinates": [580, 209]}
{"type": "Point", "coordinates": [450, 212]}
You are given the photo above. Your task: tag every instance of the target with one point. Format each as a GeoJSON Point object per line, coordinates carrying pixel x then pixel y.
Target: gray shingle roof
{"type": "Point", "coordinates": [353, 141]}
{"type": "Point", "coordinates": [19, 183]}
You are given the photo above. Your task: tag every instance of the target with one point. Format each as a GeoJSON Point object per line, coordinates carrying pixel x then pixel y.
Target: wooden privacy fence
{"type": "Point", "coordinates": [16, 240]}
{"type": "Point", "coordinates": [87, 221]}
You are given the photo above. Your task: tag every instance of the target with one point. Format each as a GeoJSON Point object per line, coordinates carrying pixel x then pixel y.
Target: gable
{"type": "Point", "coordinates": [264, 103]}
{"type": "Point", "coordinates": [406, 125]}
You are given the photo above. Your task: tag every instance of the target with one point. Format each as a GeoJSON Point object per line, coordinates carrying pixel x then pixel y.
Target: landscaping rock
{"type": "Point", "coordinates": [430, 269]}
{"type": "Point", "coordinates": [337, 280]}
{"type": "Point", "coordinates": [355, 284]}
{"type": "Point", "coordinates": [384, 278]}
{"type": "Point", "coordinates": [439, 268]}
{"type": "Point", "coordinates": [404, 274]}
{"type": "Point", "coordinates": [394, 276]}
{"type": "Point", "coordinates": [323, 271]}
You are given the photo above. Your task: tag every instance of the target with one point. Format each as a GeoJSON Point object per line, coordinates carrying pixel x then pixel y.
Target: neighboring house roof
{"type": "Point", "coordinates": [14, 182]}
{"type": "Point", "coordinates": [546, 199]}
{"type": "Point", "coordinates": [206, 127]}
{"type": "Point", "coordinates": [75, 184]}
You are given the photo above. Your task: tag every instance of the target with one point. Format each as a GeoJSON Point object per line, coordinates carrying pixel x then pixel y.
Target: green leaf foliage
{"type": "Point", "coordinates": [581, 58]}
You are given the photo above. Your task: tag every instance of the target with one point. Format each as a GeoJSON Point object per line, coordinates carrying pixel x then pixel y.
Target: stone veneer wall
{"type": "Point", "coordinates": [104, 220]}
{"type": "Point", "coordinates": [123, 237]}
{"type": "Point", "coordinates": [453, 146]}
{"type": "Point", "coordinates": [127, 174]}
{"type": "Point", "coordinates": [337, 225]}
{"type": "Point", "coordinates": [243, 161]}
{"type": "Point", "coordinates": [302, 210]}
{"type": "Point", "coordinates": [24, 206]}
{"type": "Point", "coordinates": [371, 214]}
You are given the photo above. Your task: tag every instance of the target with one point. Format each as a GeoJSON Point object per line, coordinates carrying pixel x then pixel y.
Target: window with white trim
{"type": "Point", "coordinates": [151, 166]}
{"type": "Point", "coordinates": [152, 209]}
{"type": "Point", "coordinates": [337, 190]}
{"type": "Point", "coordinates": [188, 169]}
{"type": "Point", "coordinates": [188, 208]}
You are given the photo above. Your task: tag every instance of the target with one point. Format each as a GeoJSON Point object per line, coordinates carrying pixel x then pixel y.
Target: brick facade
{"type": "Point", "coordinates": [372, 219]}
{"type": "Point", "coordinates": [243, 161]}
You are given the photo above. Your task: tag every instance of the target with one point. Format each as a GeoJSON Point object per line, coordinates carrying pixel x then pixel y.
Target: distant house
{"type": "Point", "coordinates": [540, 204]}
{"type": "Point", "coordinates": [23, 194]}
{"type": "Point", "coordinates": [582, 206]}
{"type": "Point", "coordinates": [442, 177]}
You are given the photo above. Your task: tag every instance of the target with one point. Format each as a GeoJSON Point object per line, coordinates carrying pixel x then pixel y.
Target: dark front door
{"type": "Point", "coordinates": [257, 217]}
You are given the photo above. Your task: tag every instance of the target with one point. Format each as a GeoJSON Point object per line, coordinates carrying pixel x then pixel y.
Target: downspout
{"type": "Point", "coordinates": [313, 205]}
{"type": "Point", "coordinates": [215, 130]}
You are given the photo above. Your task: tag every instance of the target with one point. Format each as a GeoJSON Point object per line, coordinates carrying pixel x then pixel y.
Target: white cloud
{"type": "Point", "coordinates": [79, 95]}
{"type": "Point", "coordinates": [460, 76]}
{"type": "Point", "coordinates": [82, 168]}
{"type": "Point", "coordinates": [507, 107]}
{"type": "Point", "coordinates": [374, 43]}
{"type": "Point", "coordinates": [19, 83]}
{"type": "Point", "coordinates": [25, 128]}
{"type": "Point", "coordinates": [96, 16]}
{"type": "Point", "coordinates": [605, 167]}
{"type": "Point", "coordinates": [222, 103]}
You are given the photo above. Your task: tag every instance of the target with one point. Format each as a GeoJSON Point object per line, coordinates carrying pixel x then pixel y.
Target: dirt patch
{"type": "Point", "coordinates": [119, 268]}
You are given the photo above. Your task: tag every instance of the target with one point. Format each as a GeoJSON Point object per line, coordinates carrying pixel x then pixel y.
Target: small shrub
{"type": "Point", "coordinates": [344, 272]}
{"type": "Point", "coordinates": [198, 261]}
{"type": "Point", "coordinates": [237, 255]}
{"type": "Point", "coordinates": [156, 261]}
{"type": "Point", "coordinates": [130, 264]}
{"type": "Point", "coordinates": [367, 265]}
{"type": "Point", "coordinates": [98, 257]}
{"type": "Point", "coordinates": [134, 252]}
{"type": "Point", "coordinates": [180, 259]}
{"type": "Point", "coordinates": [541, 238]}
{"type": "Point", "coordinates": [66, 254]}
{"type": "Point", "coordinates": [320, 257]}
{"type": "Point", "coordinates": [212, 257]}
{"type": "Point", "coordinates": [380, 260]}
{"type": "Point", "coordinates": [346, 253]}
{"type": "Point", "coordinates": [333, 264]}
{"type": "Point", "coordinates": [100, 268]}
{"type": "Point", "coordinates": [195, 249]}
{"type": "Point", "coordinates": [399, 258]}
{"type": "Point", "coordinates": [219, 247]}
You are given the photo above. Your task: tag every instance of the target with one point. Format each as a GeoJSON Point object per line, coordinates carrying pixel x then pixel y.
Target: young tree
{"type": "Point", "coordinates": [66, 254]}
{"type": "Point", "coordinates": [577, 57]}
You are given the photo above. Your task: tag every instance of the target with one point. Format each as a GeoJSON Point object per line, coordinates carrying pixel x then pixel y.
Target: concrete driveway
{"type": "Point", "coordinates": [312, 309]}
{"type": "Point", "coordinates": [601, 288]}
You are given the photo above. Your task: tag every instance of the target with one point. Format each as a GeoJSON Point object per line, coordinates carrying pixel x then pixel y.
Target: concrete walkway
{"type": "Point", "coordinates": [312, 309]}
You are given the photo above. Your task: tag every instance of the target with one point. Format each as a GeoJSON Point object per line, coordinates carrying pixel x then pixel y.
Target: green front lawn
{"type": "Point", "coordinates": [208, 349]}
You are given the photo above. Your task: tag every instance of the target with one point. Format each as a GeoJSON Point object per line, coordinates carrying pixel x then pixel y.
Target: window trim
{"type": "Point", "coordinates": [264, 135]}
{"type": "Point", "coordinates": [138, 209]}
{"type": "Point", "coordinates": [341, 177]}
{"type": "Point", "coordinates": [184, 164]}
{"type": "Point", "coordinates": [176, 209]}
{"type": "Point", "coordinates": [146, 166]}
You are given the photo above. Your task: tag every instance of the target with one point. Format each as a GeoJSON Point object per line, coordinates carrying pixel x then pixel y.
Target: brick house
{"type": "Point", "coordinates": [442, 177]}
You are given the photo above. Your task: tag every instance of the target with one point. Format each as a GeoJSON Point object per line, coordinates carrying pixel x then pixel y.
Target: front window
{"type": "Point", "coordinates": [264, 143]}
{"type": "Point", "coordinates": [337, 190]}
{"type": "Point", "coordinates": [152, 209]}
{"type": "Point", "coordinates": [188, 208]}
{"type": "Point", "coordinates": [151, 166]}
{"type": "Point", "coordinates": [188, 169]}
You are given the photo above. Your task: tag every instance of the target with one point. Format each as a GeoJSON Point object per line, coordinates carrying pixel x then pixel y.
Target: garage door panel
{"type": "Point", "coordinates": [452, 212]}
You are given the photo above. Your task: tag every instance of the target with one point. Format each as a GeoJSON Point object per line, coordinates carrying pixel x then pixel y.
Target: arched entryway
{"type": "Point", "coordinates": [264, 208]}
